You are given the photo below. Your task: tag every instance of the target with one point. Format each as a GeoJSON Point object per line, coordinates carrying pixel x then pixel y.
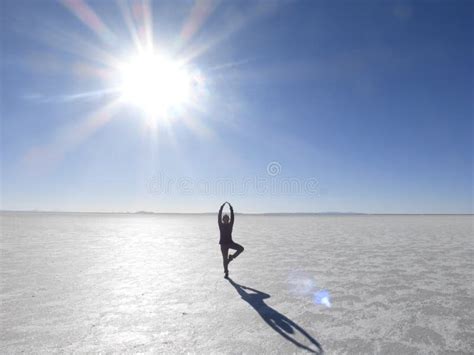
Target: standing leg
{"type": "Point", "coordinates": [225, 259]}
{"type": "Point", "coordinates": [239, 249]}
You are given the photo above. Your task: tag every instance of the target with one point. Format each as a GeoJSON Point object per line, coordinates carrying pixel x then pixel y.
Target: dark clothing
{"type": "Point", "coordinates": [233, 245]}
{"type": "Point", "coordinates": [225, 252]}
{"type": "Point", "coordinates": [226, 228]}
{"type": "Point", "coordinates": [226, 233]}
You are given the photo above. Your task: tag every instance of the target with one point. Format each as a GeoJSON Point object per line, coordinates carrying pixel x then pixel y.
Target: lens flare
{"type": "Point", "coordinates": [322, 297]}
{"type": "Point", "coordinates": [303, 285]}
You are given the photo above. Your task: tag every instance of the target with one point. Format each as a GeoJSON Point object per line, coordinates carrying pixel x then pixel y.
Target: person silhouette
{"type": "Point", "coordinates": [226, 225]}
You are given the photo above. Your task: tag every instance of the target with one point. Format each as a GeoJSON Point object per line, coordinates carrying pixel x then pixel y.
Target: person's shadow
{"type": "Point", "coordinates": [277, 321]}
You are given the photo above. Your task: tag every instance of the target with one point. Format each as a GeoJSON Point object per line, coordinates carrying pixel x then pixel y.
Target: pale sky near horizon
{"type": "Point", "coordinates": [293, 106]}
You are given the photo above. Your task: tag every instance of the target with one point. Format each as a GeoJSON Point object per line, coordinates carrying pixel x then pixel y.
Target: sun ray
{"type": "Point", "coordinates": [234, 23]}
{"type": "Point", "coordinates": [89, 17]}
{"type": "Point", "coordinates": [201, 10]}
{"type": "Point", "coordinates": [148, 21]}
{"type": "Point", "coordinates": [55, 37]}
{"type": "Point", "coordinates": [228, 65]}
{"type": "Point", "coordinates": [130, 23]}
{"type": "Point", "coordinates": [87, 95]}
{"type": "Point", "coordinates": [65, 140]}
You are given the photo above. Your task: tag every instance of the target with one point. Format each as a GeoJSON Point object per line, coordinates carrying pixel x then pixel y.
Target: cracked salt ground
{"type": "Point", "coordinates": [153, 283]}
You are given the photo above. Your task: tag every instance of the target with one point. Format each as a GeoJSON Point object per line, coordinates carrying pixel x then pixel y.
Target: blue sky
{"type": "Point", "coordinates": [369, 102]}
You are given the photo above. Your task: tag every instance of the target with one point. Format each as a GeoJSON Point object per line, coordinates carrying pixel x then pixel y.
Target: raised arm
{"type": "Point", "coordinates": [231, 214]}
{"type": "Point", "coordinates": [219, 216]}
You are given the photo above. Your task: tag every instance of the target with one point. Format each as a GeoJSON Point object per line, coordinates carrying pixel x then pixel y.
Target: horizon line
{"type": "Point", "coordinates": [239, 213]}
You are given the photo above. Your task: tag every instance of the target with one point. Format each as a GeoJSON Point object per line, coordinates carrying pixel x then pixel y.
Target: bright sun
{"type": "Point", "coordinates": [155, 83]}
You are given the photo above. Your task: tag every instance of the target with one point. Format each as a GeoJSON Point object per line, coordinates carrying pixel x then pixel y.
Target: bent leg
{"type": "Point", "coordinates": [239, 249]}
{"type": "Point", "coordinates": [225, 259]}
